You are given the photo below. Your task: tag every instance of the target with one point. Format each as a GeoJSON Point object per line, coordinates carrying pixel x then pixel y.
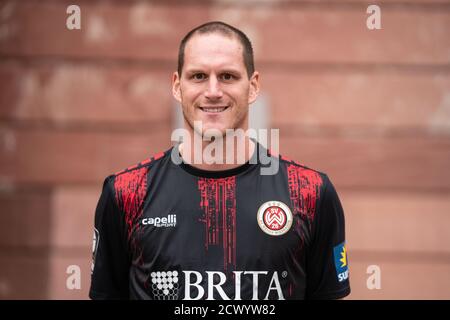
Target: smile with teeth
{"type": "Point", "coordinates": [213, 109]}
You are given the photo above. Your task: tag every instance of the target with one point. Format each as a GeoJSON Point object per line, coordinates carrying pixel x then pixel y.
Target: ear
{"type": "Point", "coordinates": [254, 87]}
{"type": "Point", "coordinates": [176, 90]}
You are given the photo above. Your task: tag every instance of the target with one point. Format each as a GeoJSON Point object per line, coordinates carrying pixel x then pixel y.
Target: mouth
{"type": "Point", "coordinates": [214, 109]}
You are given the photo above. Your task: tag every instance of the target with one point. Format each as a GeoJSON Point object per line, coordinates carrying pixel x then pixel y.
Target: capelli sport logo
{"type": "Point", "coordinates": [161, 222]}
{"type": "Point", "coordinates": [340, 262]}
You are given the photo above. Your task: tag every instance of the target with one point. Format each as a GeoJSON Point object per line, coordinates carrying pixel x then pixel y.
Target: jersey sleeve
{"type": "Point", "coordinates": [326, 261]}
{"type": "Point", "coordinates": [110, 258]}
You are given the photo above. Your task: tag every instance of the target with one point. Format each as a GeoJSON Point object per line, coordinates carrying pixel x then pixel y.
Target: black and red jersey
{"type": "Point", "coordinates": [172, 231]}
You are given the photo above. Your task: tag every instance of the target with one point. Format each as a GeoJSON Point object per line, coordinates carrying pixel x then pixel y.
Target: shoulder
{"type": "Point", "coordinates": [141, 166]}
{"type": "Point", "coordinates": [307, 187]}
{"type": "Point", "coordinates": [132, 181]}
{"type": "Point", "coordinates": [310, 176]}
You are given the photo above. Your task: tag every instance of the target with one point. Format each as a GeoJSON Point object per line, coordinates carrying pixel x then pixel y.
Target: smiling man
{"type": "Point", "coordinates": [168, 229]}
{"type": "Point", "coordinates": [215, 83]}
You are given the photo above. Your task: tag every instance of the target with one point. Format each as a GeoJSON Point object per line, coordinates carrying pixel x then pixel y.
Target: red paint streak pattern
{"type": "Point", "coordinates": [304, 189]}
{"type": "Point", "coordinates": [131, 188]}
{"type": "Point", "coordinates": [218, 200]}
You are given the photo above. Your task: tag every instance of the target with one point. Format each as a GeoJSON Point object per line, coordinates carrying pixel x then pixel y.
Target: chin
{"type": "Point", "coordinates": [220, 128]}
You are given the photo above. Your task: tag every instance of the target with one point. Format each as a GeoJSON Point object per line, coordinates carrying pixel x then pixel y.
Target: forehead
{"type": "Point", "coordinates": [213, 50]}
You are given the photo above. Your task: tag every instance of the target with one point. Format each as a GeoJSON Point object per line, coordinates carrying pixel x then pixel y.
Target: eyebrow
{"type": "Point", "coordinates": [196, 70]}
{"type": "Point", "coordinates": [225, 70]}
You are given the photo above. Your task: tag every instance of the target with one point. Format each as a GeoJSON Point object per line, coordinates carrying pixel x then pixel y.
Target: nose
{"type": "Point", "coordinates": [213, 92]}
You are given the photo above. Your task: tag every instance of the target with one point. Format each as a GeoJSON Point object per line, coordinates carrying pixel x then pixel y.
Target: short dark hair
{"type": "Point", "coordinates": [224, 29]}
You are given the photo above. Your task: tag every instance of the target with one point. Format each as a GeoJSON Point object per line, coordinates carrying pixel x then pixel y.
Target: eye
{"type": "Point", "coordinates": [199, 76]}
{"type": "Point", "coordinates": [227, 76]}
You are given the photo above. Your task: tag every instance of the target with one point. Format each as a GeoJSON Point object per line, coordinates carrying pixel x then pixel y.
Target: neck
{"type": "Point", "coordinates": [219, 154]}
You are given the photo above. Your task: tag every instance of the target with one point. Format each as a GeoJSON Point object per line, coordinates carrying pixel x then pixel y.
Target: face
{"type": "Point", "coordinates": [214, 87]}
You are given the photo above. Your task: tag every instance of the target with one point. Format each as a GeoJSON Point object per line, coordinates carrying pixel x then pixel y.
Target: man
{"type": "Point", "coordinates": [173, 228]}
